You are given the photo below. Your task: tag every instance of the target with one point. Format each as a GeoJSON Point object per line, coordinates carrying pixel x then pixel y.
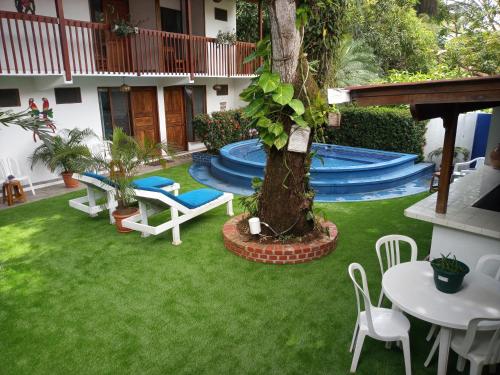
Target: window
{"type": "Point", "coordinates": [220, 14]}
{"type": "Point", "coordinates": [114, 107]}
{"type": "Point", "coordinates": [171, 20]}
{"type": "Point", "coordinates": [196, 104]}
{"type": "Point", "coordinates": [223, 91]}
{"type": "Point", "coordinates": [9, 98]}
{"type": "Point", "coordinates": [68, 95]}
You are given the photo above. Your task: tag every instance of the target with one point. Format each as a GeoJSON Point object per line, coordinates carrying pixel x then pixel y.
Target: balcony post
{"type": "Point", "coordinates": [261, 23]}
{"type": "Point", "coordinates": [190, 40]}
{"type": "Point", "coordinates": [63, 39]}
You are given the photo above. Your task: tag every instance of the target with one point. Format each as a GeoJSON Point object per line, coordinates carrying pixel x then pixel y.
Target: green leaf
{"type": "Point", "coordinates": [268, 139]}
{"type": "Point", "coordinates": [254, 107]}
{"type": "Point", "coordinates": [250, 57]}
{"type": "Point", "coordinates": [297, 106]}
{"type": "Point", "coordinates": [299, 120]}
{"type": "Point", "coordinates": [264, 122]}
{"type": "Point", "coordinates": [281, 141]}
{"type": "Point", "coordinates": [283, 94]}
{"type": "Point", "coordinates": [269, 81]}
{"type": "Point", "coordinates": [276, 128]}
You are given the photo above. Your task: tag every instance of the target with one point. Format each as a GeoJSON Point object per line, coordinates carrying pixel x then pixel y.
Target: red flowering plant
{"type": "Point", "coordinates": [221, 128]}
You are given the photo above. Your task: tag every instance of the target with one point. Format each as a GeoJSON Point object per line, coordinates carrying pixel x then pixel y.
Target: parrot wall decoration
{"type": "Point", "coordinates": [45, 115]}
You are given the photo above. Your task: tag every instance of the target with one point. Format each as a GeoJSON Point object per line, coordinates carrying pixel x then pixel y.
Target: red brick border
{"type": "Point", "coordinates": [278, 253]}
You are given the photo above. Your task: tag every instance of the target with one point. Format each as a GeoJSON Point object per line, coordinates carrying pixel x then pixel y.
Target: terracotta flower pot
{"type": "Point", "coordinates": [122, 214]}
{"type": "Point", "coordinates": [495, 157]}
{"type": "Point", "coordinates": [69, 181]}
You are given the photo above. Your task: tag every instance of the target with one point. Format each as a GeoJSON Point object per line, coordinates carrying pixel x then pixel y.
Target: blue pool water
{"type": "Point", "coordinates": [338, 173]}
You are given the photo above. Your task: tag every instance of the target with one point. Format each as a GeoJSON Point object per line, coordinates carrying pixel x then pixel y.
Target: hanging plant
{"type": "Point", "coordinates": [123, 27]}
{"type": "Point", "coordinates": [226, 37]}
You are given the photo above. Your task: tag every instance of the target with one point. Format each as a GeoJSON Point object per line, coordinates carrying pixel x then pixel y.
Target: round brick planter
{"type": "Point", "coordinates": [278, 253]}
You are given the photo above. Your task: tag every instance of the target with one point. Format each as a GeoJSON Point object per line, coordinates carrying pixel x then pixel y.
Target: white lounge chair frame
{"type": "Point", "coordinates": [463, 168]}
{"type": "Point", "coordinates": [97, 189]}
{"type": "Point", "coordinates": [139, 222]}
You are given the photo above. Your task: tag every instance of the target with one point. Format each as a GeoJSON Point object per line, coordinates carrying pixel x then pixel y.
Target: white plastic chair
{"type": "Point", "coordinates": [10, 166]}
{"type": "Point", "coordinates": [376, 322]}
{"type": "Point", "coordinates": [489, 265]}
{"type": "Point", "coordinates": [392, 253]}
{"type": "Point", "coordinates": [479, 345]}
{"type": "Point", "coordinates": [464, 168]}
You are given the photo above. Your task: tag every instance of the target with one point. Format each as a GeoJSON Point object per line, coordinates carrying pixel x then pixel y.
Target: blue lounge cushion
{"type": "Point", "coordinates": [191, 199]}
{"type": "Point", "coordinates": [153, 181]}
{"type": "Point", "coordinates": [99, 177]}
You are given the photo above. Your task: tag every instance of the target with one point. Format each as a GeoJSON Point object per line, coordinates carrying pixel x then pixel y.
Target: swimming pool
{"type": "Point", "coordinates": [337, 172]}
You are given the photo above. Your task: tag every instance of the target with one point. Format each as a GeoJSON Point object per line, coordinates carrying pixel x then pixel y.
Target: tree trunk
{"type": "Point", "coordinates": [286, 198]}
{"type": "Point", "coordinates": [429, 7]}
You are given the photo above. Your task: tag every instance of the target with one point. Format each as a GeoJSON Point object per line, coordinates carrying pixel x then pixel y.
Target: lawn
{"type": "Point", "coordinates": [79, 298]}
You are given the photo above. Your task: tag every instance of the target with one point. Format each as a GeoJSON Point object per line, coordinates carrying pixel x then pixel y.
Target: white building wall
{"type": "Point", "coordinates": [17, 143]}
{"type": "Point", "coordinates": [73, 9]}
{"type": "Point", "coordinates": [212, 26]}
{"type": "Point", "coordinates": [466, 127]}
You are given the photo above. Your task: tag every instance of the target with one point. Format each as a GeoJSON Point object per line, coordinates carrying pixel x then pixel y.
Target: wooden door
{"type": "Point", "coordinates": [175, 117]}
{"type": "Point", "coordinates": [144, 111]}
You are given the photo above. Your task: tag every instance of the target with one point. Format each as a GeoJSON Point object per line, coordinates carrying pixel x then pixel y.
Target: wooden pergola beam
{"type": "Point", "coordinates": [431, 99]}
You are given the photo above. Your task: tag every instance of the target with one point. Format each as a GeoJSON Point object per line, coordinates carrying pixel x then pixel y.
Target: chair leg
{"type": "Point", "coordinates": [432, 330]}
{"type": "Point", "coordinates": [381, 298]}
{"type": "Point", "coordinates": [475, 368]}
{"type": "Point", "coordinates": [406, 352]}
{"type": "Point", "coordinates": [176, 231]}
{"type": "Point", "coordinates": [230, 208]}
{"type": "Point", "coordinates": [111, 206]}
{"type": "Point", "coordinates": [359, 345]}
{"type": "Point", "coordinates": [31, 187]}
{"type": "Point", "coordinates": [91, 198]}
{"type": "Point", "coordinates": [432, 352]}
{"type": "Point", "coordinates": [354, 334]}
{"type": "Point", "coordinates": [143, 210]}
{"type": "Point", "coordinates": [460, 364]}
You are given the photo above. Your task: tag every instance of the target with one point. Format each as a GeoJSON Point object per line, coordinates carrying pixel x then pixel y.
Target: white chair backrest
{"type": "Point", "coordinates": [489, 265]}
{"type": "Point", "coordinates": [362, 293]}
{"type": "Point", "coordinates": [492, 355]}
{"type": "Point", "coordinates": [390, 243]}
{"type": "Point", "coordinates": [4, 171]}
{"type": "Point", "coordinates": [9, 166]}
{"type": "Point", "coordinates": [479, 162]}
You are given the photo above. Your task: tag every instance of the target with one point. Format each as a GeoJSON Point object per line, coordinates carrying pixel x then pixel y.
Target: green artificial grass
{"type": "Point", "coordinates": [79, 298]}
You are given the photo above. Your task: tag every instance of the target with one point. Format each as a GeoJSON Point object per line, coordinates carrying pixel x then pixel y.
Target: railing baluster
{"type": "Point", "coordinates": [56, 42]}
{"type": "Point", "coordinates": [49, 46]}
{"type": "Point", "coordinates": [84, 50]}
{"type": "Point", "coordinates": [27, 45]}
{"type": "Point", "coordinates": [42, 49]}
{"type": "Point", "coordinates": [12, 46]}
{"type": "Point", "coordinates": [19, 44]}
{"type": "Point", "coordinates": [4, 46]}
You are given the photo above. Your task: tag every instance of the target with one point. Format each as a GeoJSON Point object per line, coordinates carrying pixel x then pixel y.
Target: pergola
{"type": "Point", "coordinates": [431, 99]}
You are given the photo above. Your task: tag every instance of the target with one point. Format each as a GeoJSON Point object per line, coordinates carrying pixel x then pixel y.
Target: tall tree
{"type": "Point", "coordinates": [284, 98]}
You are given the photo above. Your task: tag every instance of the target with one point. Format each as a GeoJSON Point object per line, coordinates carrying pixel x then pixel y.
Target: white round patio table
{"type": "Point", "coordinates": [410, 287]}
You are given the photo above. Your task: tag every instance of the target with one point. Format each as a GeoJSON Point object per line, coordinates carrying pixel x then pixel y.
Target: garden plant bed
{"type": "Point", "coordinates": [247, 247]}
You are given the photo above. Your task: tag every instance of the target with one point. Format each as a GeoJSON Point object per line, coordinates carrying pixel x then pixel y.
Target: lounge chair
{"type": "Point", "coordinates": [99, 186]}
{"type": "Point", "coordinates": [193, 203]}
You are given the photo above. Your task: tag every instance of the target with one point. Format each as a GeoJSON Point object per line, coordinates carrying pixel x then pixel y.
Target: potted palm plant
{"type": "Point", "coordinates": [64, 153]}
{"type": "Point", "coordinates": [126, 156]}
{"type": "Point", "coordinates": [449, 273]}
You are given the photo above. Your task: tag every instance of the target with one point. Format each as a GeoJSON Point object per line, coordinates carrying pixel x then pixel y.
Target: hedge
{"type": "Point", "coordinates": [221, 128]}
{"type": "Point", "coordinates": [380, 128]}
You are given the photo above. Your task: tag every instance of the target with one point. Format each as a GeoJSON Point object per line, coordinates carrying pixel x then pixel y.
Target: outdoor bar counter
{"type": "Point", "coordinates": [465, 231]}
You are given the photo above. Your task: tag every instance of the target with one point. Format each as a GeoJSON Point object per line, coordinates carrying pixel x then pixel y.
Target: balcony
{"type": "Point", "coordinates": [34, 45]}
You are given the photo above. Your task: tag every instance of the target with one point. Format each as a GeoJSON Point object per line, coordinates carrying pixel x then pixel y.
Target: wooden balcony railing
{"type": "Point", "coordinates": [32, 45]}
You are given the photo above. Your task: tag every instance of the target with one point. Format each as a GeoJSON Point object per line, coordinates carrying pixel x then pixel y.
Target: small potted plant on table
{"type": "Point", "coordinates": [449, 273]}
{"type": "Point", "coordinates": [65, 153]}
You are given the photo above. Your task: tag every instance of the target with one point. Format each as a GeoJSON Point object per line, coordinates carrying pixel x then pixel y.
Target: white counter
{"type": "Point", "coordinates": [466, 231]}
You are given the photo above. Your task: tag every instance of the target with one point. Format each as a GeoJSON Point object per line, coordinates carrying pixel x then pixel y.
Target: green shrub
{"type": "Point", "coordinates": [221, 128]}
{"type": "Point", "coordinates": [380, 128]}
